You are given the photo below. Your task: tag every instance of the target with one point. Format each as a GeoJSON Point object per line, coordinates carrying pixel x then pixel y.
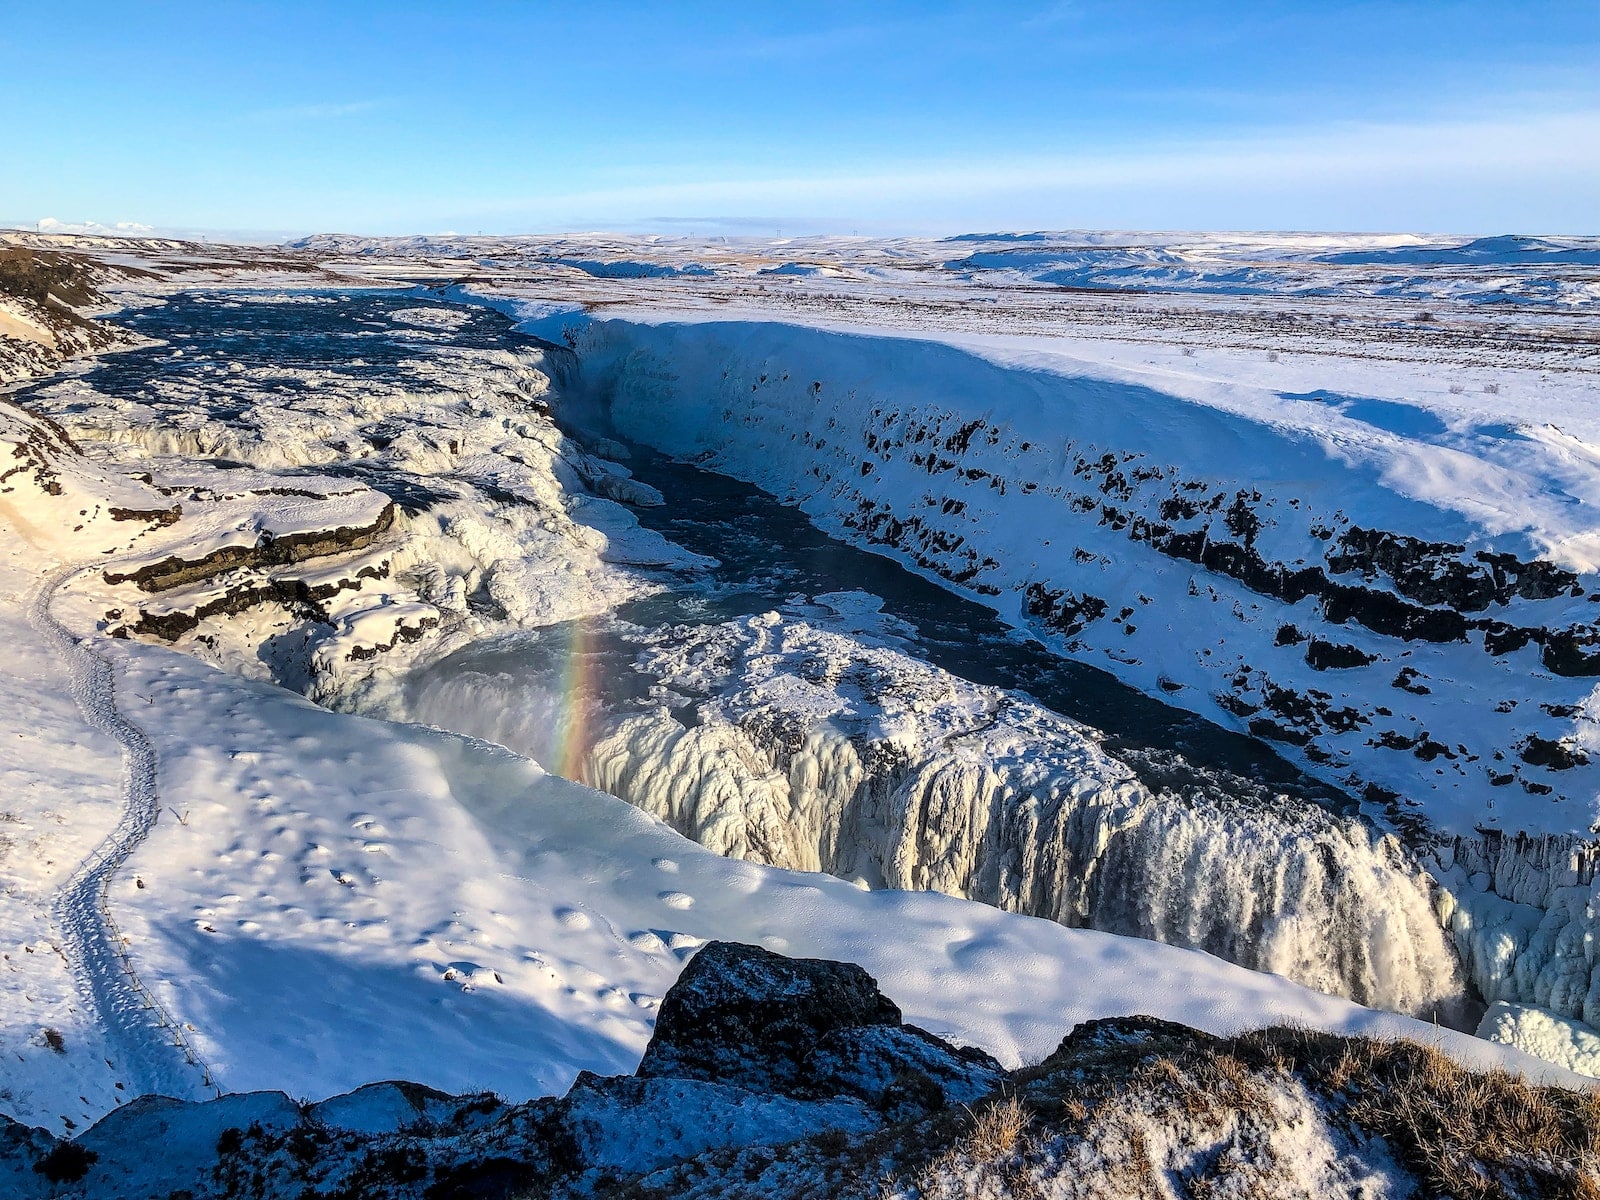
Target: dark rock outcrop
{"type": "Point", "coordinates": [268, 550]}
{"type": "Point", "coordinates": [1335, 656]}
{"type": "Point", "coordinates": [805, 1028]}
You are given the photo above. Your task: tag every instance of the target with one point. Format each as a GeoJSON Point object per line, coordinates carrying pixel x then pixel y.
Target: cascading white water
{"type": "Point", "coordinates": [809, 750]}
{"type": "Point", "coordinates": [1316, 898]}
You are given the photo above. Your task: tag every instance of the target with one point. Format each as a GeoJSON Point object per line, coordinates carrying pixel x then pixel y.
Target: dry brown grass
{"type": "Point", "coordinates": [1471, 1135]}
{"type": "Point", "coordinates": [43, 275]}
{"type": "Point", "coordinates": [988, 1137]}
{"type": "Point", "coordinates": [997, 1128]}
{"type": "Point", "coordinates": [1205, 1084]}
{"type": "Point", "coordinates": [1462, 1134]}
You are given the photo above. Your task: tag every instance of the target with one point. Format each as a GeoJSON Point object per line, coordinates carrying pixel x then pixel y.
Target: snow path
{"type": "Point", "coordinates": [157, 1055]}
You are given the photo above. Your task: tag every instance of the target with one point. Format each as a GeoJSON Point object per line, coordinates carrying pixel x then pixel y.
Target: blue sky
{"type": "Point", "coordinates": [887, 117]}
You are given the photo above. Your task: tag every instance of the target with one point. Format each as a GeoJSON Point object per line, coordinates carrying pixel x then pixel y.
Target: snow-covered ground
{"type": "Point", "coordinates": [326, 900]}
{"type": "Point", "coordinates": [310, 899]}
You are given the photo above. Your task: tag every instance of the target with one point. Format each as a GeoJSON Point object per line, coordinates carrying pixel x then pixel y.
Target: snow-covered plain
{"type": "Point", "coordinates": [326, 899]}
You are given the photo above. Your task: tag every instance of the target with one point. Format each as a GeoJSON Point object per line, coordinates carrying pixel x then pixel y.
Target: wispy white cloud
{"type": "Point", "coordinates": [1557, 150]}
{"type": "Point", "coordinates": [115, 229]}
{"type": "Point", "coordinates": [138, 229]}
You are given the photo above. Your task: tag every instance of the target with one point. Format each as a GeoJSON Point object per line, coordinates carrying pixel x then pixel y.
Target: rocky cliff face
{"type": "Point", "coordinates": [1279, 579]}
{"type": "Point", "coordinates": [776, 1077]}
{"type": "Point", "coordinates": [41, 293]}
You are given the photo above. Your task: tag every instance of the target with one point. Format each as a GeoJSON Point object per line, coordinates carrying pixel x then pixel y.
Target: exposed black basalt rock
{"type": "Point", "coordinates": [1406, 681]}
{"type": "Point", "coordinates": [930, 547]}
{"type": "Point", "coordinates": [295, 594]}
{"type": "Point", "coordinates": [740, 1014]}
{"type": "Point", "coordinates": [1333, 656]}
{"type": "Point", "coordinates": [806, 1028]}
{"type": "Point", "coordinates": [1558, 756]}
{"type": "Point", "coordinates": [35, 454]}
{"type": "Point", "coordinates": [268, 551]}
{"type": "Point", "coordinates": [1065, 612]}
{"type": "Point", "coordinates": [1436, 586]}
{"type": "Point", "coordinates": [1437, 572]}
{"type": "Point", "coordinates": [159, 517]}
{"type": "Point", "coordinates": [52, 280]}
{"type": "Point", "coordinates": [1380, 611]}
{"type": "Point", "coordinates": [1574, 652]}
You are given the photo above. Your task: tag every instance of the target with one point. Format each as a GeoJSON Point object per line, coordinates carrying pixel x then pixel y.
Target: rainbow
{"type": "Point", "coordinates": [577, 702]}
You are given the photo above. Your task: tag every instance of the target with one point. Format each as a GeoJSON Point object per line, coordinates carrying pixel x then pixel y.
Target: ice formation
{"type": "Point", "coordinates": [803, 748]}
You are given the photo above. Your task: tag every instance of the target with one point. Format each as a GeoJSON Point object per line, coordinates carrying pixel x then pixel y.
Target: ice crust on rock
{"type": "Point", "coordinates": [1544, 1034]}
{"type": "Point", "coordinates": [776, 741]}
{"type": "Point", "coordinates": [1526, 932]}
{"type": "Point", "coordinates": [773, 741]}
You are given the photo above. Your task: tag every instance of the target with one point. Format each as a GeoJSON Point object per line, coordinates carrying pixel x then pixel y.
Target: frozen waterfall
{"type": "Point", "coordinates": [770, 740]}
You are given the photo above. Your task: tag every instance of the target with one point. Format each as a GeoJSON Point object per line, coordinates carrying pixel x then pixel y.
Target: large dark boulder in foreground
{"type": "Point", "coordinates": [741, 1014]}
{"type": "Point", "coordinates": [806, 1028]}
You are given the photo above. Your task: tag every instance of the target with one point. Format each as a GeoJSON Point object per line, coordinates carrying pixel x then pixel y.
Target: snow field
{"type": "Point", "coordinates": [346, 900]}
{"type": "Point", "coordinates": [60, 779]}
